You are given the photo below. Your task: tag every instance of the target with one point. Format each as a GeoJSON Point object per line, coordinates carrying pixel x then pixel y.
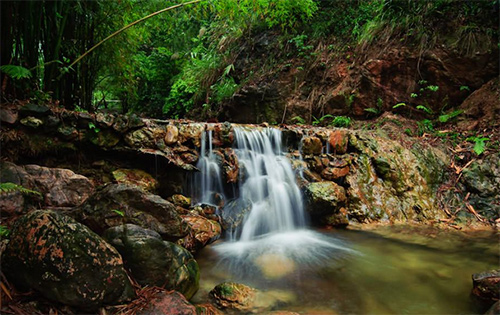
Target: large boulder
{"type": "Point", "coordinates": [168, 303]}
{"type": "Point", "coordinates": [58, 187]}
{"type": "Point", "coordinates": [119, 203]}
{"type": "Point", "coordinates": [325, 199]}
{"type": "Point", "coordinates": [234, 212]}
{"type": "Point", "coordinates": [155, 262]}
{"type": "Point", "coordinates": [64, 261]}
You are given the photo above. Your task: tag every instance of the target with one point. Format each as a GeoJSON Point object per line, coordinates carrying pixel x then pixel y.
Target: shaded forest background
{"type": "Point", "coordinates": [190, 61]}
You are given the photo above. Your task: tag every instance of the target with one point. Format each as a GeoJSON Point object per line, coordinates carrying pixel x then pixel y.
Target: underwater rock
{"type": "Point", "coordinates": [116, 204]}
{"type": "Point", "coordinates": [153, 261]}
{"type": "Point", "coordinates": [137, 178]}
{"type": "Point", "coordinates": [168, 303]}
{"type": "Point", "coordinates": [65, 262]}
{"type": "Point", "coordinates": [232, 295]}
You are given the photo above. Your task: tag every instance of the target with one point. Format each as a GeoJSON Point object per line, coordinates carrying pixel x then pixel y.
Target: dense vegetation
{"type": "Point", "coordinates": [185, 59]}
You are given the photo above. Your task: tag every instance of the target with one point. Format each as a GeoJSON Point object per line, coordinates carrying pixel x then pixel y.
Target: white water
{"type": "Point", "coordinates": [276, 223]}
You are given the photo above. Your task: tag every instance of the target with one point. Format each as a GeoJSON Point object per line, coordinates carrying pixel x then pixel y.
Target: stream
{"type": "Point", "coordinates": [395, 270]}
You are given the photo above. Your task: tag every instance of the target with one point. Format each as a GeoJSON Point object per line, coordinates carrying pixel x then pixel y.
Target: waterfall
{"type": "Point", "coordinates": [274, 230]}
{"type": "Point", "coordinates": [269, 184]}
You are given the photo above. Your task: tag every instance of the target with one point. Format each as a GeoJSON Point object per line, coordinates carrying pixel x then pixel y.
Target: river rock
{"type": "Point", "coordinates": [486, 286]}
{"type": "Point", "coordinates": [64, 261]}
{"type": "Point", "coordinates": [311, 145]}
{"type": "Point", "coordinates": [58, 187]}
{"type": "Point", "coordinates": [172, 135]}
{"type": "Point", "coordinates": [234, 212]}
{"type": "Point", "coordinates": [146, 137]}
{"type": "Point", "coordinates": [338, 140]}
{"type": "Point", "coordinates": [232, 295]}
{"type": "Point", "coordinates": [180, 200]}
{"type": "Point", "coordinates": [106, 138]}
{"type": "Point", "coordinates": [119, 203]}
{"type": "Point", "coordinates": [192, 132]}
{"type": "Point", "coordinates": [230, 166]}
{"type": "Point", "coordinates": [137, 178]}
{"type": "Point", "coordinates": [168, 303]}
{"type": "Point", "coordinates": [324, 197]}
{"type": "Point", "coordinates": [207, 309]}
{"type": "Point", "coordinates": [153, 261]}
{"type": "Point", "coordinates": [202, 232]}
{"type": "Point", "coordinates": [35, 110]}
{"type": "Point", "coordinates": [8, 115]}
{"type": "Point", "coordinates": [32, 122]}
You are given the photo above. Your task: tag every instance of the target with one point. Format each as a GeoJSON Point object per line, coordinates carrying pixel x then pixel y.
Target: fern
{"type": "Point", "coordinates": [16, 72]}
{"type": "Point", "coordinates": [341, 121]}
{"type": "Point", "coordinates": [299, 120]}
{"type": "Point", "coordinates": [4, 231]}
{"type": "Point", "coordinates": [7, 188]}
{"type": "Point", "coordinates": [425, 109]}
{"type": "Point", "coordinates": [447, 117]}
{"type": "Point", "coordinates": [372, 110]}
{"type": "Point", "coordinates": [398, 105]}
{"type": "Point", "coordinates": [479, 144]}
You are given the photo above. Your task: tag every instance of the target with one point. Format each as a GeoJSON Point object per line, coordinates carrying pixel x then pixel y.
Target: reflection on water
{"type": "Point", "coordinates": [399, 270]}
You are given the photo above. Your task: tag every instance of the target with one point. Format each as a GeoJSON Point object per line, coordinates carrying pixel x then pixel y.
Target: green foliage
{"type": "Point", "coordinates": [4, 232]}
{"type": "Point", "coordinates": [341, 121]}
{"type": "Point", "coordinates": [479, 143]}
{"type": "Point", "coordinates": [7, 188]}
{"type": "Point", "coordinates": [399, 105]}
{"type": "Point", "coordinates": [372, 110]}
{"type": "Point", "coordinates": [464, 88]}
{"type": "Point", "coordinates": [408, 132]}
{"type": "Point", "coordinates": [432, 88]}
{"type": "Point", "coordinates": [425, 109]}
{"type": "Point", "coordinates": [120, 213]}
{"type": "Point", "coordinates": [413, 95]}
{"type": "Point", "coordinates": [298, 120]}
{"type": "Point", "coordinates": [93, 127]}
{"type": "Point", "coordinates": [447, 117]}
{"type": "Point", "coordinates": [16, 72]}
{"type": "Point", "coordinates": [319, 121]}
{"type": "Point", "coordinates": [299, 42]}
{"type": "Point", "coordinates": [425, 126]}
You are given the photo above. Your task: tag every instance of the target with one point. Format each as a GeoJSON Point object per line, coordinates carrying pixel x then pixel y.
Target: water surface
{"type": "Point", "coordinates": [389, 270]}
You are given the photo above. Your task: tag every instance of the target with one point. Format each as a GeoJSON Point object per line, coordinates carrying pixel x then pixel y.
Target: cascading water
{"type": "Point", "coordinates": [269, 184]}
{"type": "Point", "coordinates": [275, 227]}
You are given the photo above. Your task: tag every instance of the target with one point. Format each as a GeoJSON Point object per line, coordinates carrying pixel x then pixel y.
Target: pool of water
{"type": "Point", "coordinates": [388, 270]}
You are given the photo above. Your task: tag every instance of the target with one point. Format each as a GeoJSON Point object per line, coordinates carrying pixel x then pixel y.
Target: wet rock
{"type": "Point", "coordinates": [388, 182]}
{"type": "Point", "coordinates": [230, 166]}
{"type": "Point", "coordinates": [172, 135]}
{"type": "Point", "coordinates": [207, 309]}
{"type": "Point", "coordinates": [494, 310]}
{"type": "Point", "coordinates": [202, 232]}
{"type": "Point", "coordinates": [67, 132]}
{"type": "Point", "coordinates": [103, 138]}
{"type": "Point", "coordinates": [153, 261]}
{"type": "Point", "coordinates": [35, 110]}
{"type": "Point", "coordinates": [105, 120]}
{"type": "Point", "coordinates": [181, 201]}
{"type": "Point", "coordinates": [118, 203]}
{"type": "Point", "coordinates": [137, 178]}
{"type": "Point", "coordinates": [8, 115]}
{"type": "Point", "coordinates": [145, 137]}
{"type": "Point", "coordinates": [234, 212]}
{"type": "Point", "coordinates": [486, 286]}
{"type": "Point", "coordinates": [311, 145]}
{"type": "Point", "coordinates": [338, 140]}
{"type": "Point", "coordinates": [32, 122]}
{"type": "Point", "coordinates": [58, 187]}
{"type": "Point", "coordinates": [232, 295]}
{"type": "Point", "coordinates": [168, 303]}
{"type": "Point", "coordinates": [65, 262]}
{"type": "Point", "coordinates": [333, 173]}
{"type": "Point", "coordinates": [192, 132]}
{"type": "Point", "coordinates": [189, 158]}
{"type": "Point", "coordinates": [324, 198]}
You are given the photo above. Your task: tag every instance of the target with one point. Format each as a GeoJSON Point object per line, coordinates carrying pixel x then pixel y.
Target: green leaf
{"type": "Point", "coordinates": [16, 72]}
{"type": "Point", "coordinates": [425, 109]}
{"type": "Point", "coordinates": [120, 213]}
{"type": "Point", "coordinates": [399, 105]}
{"type": "Point", "coordinates": [6, 188]}
{"type": "Point", "coordinates": [372, 110]}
